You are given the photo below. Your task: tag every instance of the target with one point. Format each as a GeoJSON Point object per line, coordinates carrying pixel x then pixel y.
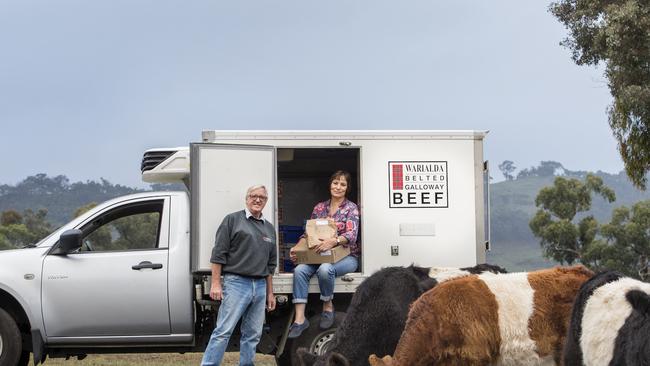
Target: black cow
{"type": "Point", "coordinates": [377, 314]}
{"type": "Point", "coordinates": [610, 322]}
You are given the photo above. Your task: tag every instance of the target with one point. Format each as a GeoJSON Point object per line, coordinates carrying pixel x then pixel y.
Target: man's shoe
{"type": "Point", "coordinates": [296, 329]}
{"type": "Point", "coordinates": [326, 319]}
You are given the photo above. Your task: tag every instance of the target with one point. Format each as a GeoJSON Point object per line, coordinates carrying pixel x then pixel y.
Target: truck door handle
{"type": "Point", "coordinates": [146, 264]}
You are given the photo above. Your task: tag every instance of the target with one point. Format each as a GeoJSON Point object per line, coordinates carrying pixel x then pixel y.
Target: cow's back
{"type": "Point", "coordinates": [605, 313]}
{"type": "Point", "coordinates": [555, 291]}
{"type": "Point", "coordinates": [505, 319]}
{"type": "Point", "coordinates": [572, 350]}
{"type": "Point", "coordinates": [454, 320]}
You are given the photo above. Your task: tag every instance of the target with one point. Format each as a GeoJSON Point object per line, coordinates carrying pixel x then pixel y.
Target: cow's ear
{"type": "Point", "coordinates": [376, 361]}
{"type": "Point", "coordinates": [305, 358]}
{"type": "Point", "coordinates": [337, 359]}
{"type": "Point", "coordinates": [639, 300]}
{"type": "Point", "coordinates": [427, 284]}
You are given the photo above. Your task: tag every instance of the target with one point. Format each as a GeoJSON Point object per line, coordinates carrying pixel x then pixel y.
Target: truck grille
{"type": "Point", "coordinates": [151, 159]}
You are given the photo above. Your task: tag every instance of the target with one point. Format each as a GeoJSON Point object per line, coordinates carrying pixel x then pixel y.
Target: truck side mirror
{"type": "Point", "coordinates": [69, 241]}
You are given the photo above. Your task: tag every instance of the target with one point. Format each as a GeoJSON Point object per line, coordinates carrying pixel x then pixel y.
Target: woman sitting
{"type": "Point", "coordinates": [346, 215]}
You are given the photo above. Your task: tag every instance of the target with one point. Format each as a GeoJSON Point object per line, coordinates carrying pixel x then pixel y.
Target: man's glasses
{"type": "Point", "coordinates": [257, 198]}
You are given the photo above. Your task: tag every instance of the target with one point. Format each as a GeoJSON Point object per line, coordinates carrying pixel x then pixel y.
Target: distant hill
{"type": "Point", "coordinates": [60, 197]}
{"type": "Point", "coordinates": [512, 206]}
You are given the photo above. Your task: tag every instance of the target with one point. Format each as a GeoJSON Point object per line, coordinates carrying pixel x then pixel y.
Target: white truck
{"type": "Point", "coordinates": [132, 274]}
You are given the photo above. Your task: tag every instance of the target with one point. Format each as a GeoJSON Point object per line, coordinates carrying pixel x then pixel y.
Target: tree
{"type": "Point", "coordinates": [618, 35]}
{"type": "Point", "coordinates": [37, 224]}
{"type": "Point", "coordinates": [545, 169]}
{"type": "Point", "coordinates": [18, 230]}
{"type": "Point", "coordinates": [507, 168]}
{"type": "Point", "coordinates": [4, 242]}
{"type": "Point", "coordinates": [10, 217]}
{"type": "Point", "coordinates": [561, 239]}
{"type": "Point", "coordinates": [625, 242]}
{"type": "Point", "coordinates": [16, 236]}
{"type": "Point", "coordinates": [85, 208]}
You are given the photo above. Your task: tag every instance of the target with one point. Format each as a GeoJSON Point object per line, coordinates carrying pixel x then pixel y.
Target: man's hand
{"type": "Point", "coordinates": [270, 302]}
{"type": "Point", "coordinates": [216, 291]}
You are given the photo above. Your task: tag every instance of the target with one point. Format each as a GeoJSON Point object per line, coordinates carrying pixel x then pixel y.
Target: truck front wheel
{"type": "Point", "coordinates": [10, 340]}
{"type": "Point", "coordinates": [314, 339]}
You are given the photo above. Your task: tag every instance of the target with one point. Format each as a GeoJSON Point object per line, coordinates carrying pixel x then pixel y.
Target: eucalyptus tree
{"type": "Point", "coordinates": [562, 238]}
{"type": "Point", "coordinates": [617, 35]}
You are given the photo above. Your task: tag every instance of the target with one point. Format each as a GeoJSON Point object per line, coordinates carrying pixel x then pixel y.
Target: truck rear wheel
{"type": "Point", "coordinates": [314, 339]}
{"type": "Point", "coordinates": [10, 340]}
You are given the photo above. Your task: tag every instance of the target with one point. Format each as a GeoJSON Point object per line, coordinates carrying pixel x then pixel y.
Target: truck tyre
{"type": "Point", "coordinates": [11, 341]}
{"type": "Point", "coordinates": [316, 340]}
{"type": "Point", "coordinates": [24, 359]}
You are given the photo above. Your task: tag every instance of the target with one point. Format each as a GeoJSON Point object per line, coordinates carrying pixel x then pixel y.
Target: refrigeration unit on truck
{"type": "Point", "coordinates": [91, 288]}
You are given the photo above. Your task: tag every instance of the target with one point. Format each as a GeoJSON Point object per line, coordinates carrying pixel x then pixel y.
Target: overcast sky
{"type": "Point", "coordinates": [87, 86]}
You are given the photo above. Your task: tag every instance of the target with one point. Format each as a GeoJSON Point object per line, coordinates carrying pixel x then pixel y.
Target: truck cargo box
{"type": "Point", "coordinates": [422, 194]}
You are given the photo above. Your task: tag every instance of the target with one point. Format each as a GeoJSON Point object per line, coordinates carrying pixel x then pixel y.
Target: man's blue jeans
{"type": "Point", "coordinates": [245, 298]}
{"type": "Point", "coordinates": [327, 272]}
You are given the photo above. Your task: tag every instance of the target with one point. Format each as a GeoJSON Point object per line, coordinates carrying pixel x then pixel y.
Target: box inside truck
{"type": "Point", "coordinates": [302, 181]}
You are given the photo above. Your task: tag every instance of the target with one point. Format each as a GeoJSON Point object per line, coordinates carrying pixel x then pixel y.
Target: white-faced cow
{"type": "Point", "coordinates": [610, 324]}
{"type": "Point", "coordinates": [505, 319]}
{"type": "Point", "coordinates": [378, 312]}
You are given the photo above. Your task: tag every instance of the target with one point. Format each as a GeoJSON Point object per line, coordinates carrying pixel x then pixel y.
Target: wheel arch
{"type": "Point", "coordinates": [16, 309]}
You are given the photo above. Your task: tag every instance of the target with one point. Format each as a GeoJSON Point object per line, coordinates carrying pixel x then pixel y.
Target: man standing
{"type": "Point", "coordinates": [244, 253]}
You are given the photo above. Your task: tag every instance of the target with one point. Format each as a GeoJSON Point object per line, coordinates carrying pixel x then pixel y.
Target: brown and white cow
{"type": "Point", "coordinates": [380, 306]}
{"type": "Point", "coordinates": [490, 319]}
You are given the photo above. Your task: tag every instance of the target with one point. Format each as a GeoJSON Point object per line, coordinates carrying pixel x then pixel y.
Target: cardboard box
{"type": "Point", "coordinates": [317, 229]}
{"type": "Point", "coordinates": [309, 256]}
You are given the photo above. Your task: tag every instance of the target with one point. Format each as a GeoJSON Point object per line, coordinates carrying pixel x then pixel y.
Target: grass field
{"type": "Point", "coordinates": [157, 359]}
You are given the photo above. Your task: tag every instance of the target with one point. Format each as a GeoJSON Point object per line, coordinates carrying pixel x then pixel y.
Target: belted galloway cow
{"type": "Point", "coordinates": [610, 324]}
{"type": "Point", "coordinates": [503, 319]}
{"type": "Point", "coordinates": [378, 311]}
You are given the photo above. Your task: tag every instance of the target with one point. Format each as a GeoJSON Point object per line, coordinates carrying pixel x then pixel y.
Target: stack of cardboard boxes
{"type": "Point", "coordinates": [316, 230]}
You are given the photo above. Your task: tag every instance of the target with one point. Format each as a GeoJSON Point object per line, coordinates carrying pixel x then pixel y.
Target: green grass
{"type": "Point", "coordinates": [151, 359]}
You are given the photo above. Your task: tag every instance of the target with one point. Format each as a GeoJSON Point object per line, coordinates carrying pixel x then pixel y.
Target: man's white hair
{"type": "Point", "coordinates": [252, 188]}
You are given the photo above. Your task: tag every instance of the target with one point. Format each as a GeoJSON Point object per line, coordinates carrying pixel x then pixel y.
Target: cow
{"type": "Point", "coordinates": [609, 324]}
{"type": "Point", "coordinates": [490, 319]}
{"type": "Point", "coordinates": [380, 307]}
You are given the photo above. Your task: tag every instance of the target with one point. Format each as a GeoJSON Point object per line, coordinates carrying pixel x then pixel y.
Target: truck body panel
{"type": "Point", "coordinates": [393, 235]}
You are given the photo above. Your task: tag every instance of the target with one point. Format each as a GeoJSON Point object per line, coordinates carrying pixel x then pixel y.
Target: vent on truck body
{"type": "Point", "coordinates": [168, 165]}
{"type": "Point", "coordinates": [152, 159]}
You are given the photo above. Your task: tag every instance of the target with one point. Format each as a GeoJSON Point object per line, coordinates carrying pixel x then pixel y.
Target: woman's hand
{"type": "Point", "coordinates": [292, 251]}
{"type": "Point", "coordinates": [292, 254]}
{"type": "Point", "coordinates": [325, 245]}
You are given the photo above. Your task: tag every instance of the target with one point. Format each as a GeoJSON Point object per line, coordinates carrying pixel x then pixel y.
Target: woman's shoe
{"type": "Point", "coordinates": [295, 330]}
{"type": "Point", "coordinates": [326, 320]}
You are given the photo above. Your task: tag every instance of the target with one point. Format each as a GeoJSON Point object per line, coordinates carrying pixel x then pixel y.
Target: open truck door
{"type": "Point", "coordinates": [221, 173]}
